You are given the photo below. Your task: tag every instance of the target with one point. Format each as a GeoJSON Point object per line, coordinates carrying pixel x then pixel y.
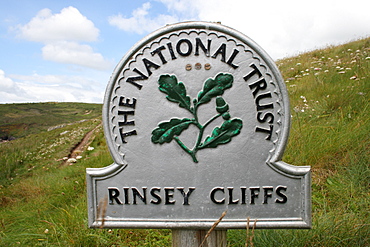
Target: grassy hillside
{"type": "Point", "coordinates": [19, 120]}
{"type": "Point", "coordinates": [43, 198]}
{"type": "Point", "coordinates": [329, 96]}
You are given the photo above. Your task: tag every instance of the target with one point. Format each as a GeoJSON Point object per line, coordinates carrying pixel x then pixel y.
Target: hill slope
{"type": "Point", "coordinates": [19, 120]}
{"type": "Point", "coordinates": [43, 199]}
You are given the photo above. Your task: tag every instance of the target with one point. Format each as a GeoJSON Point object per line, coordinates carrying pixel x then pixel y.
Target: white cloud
{"type": "Point", "coordinates": [74, 53]}
{"type": "Point", "coordinates": [69, 24]}
{"type": "Point", "coordinates": [284, 28]}
{"type": "Point", "coordinates": [61, 33]}
{"type": "Point", "coordinates": [7, 85]}
{"type": "Point", "coordinates": [44, 88]}
{"type": "Point", "coordinates": [141, 22]}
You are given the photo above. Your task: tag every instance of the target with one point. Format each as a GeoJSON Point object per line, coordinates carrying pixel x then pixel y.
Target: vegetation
{"type": "Point", "coordinates": [43, 197]}
{"type": "Point", "coordinates": [19, 120]}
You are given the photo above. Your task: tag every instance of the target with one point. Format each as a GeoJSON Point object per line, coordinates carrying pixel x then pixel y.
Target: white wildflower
{"type": "Point", "coordinates": [90, 148]}
{"type": "Point", "coordinates": [46, 231]}
{"type": "Point", "coordinates": [71, 160]}
{"type": "Point", "coordinates": [78, 157]}
{"type": "Point", "coordinates": [353, 77]}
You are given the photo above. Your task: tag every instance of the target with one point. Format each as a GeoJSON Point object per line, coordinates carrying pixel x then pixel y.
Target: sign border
{"type": "Point", "coordinates": [93, 175]}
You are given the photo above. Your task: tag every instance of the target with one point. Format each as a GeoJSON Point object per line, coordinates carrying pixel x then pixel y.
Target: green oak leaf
{"type": "Point", "coordinates": [167, 130]}
{"type": "Point", "coordinates": [223, 134]}
{"type": "Point", "coordinates": [176, 91]}
{"type": "Point", "coordinates": [215, 87]}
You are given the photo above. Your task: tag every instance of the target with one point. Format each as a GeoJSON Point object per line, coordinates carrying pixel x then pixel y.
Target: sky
{"type": "Point", "coordinates": [66, 51]}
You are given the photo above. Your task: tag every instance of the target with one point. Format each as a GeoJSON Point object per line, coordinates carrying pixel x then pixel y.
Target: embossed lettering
{"type": "Point", "coordinates": [113, 194]}
{"type": "Point", "coordinates": [231, 59]}
{"type": "Point", "coordinates": [155, 195]}
{"type": "Point", "coordinates": [168, 195]}
{"type": "Point", "coordinates": [198, 43]}
{"type": "Point", "coordinates": [221, 51]}
{"type": "Point", "coordinates": [133, 80]}
{"type": "Point", "coordinates": [231, 201]}
{"type": "Point", "coordinates": [149, 64]}
{"type": "Point", "coordinates": [267, 131]}
{"type": "Point", "coordinates": [126, 134]}
{"type": "Point", "coordinates": [267, 117]}
{"type": "Point", "coordinates": [136, 193]}
{"type": "Point", "coordinates": [125, 192]}
{"type": "Point", "coordinates": [189, 47]}
{"type": "Point", "coordinates": [244, 194]}
{"type": "Point", "coordinates": [127, 102]}
{"type": "Point", "coordinates": [186, 195]}
{"type": "Point", "coordinates": [212, 196]}
{"type": "Point", "coordinates": [284, 198]}
{"type": "Point", "coordinates": [253, 72]}
{"type": "Point", "coordinates": [267, 193]}
{"type": "Point", "coordinates": [124, 114]}
{"type": "Point", "coordinates": [258, 195]}
{"type": "Point", "coordinates": [260, 94]}
{"type": "Point", "coordinates": [159, 52]}
{"type": "Point", "coordinates": [254, 193]}
{"type": "Point", "coordinates": [169, 45]}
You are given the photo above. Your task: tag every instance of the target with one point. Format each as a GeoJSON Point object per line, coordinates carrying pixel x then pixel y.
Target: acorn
{"type": "Point", "coordinates": [221, 105]}
{"type": "Point", "coordinates": [226, 115]}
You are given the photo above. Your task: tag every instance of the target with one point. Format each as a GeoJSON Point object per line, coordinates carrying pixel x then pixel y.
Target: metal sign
{"type": "Point", "coordinates": [196, 117]}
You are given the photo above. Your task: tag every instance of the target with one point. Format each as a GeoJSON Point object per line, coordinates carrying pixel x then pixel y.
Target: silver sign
{"type": "Point", "coordinates": [196, 117]}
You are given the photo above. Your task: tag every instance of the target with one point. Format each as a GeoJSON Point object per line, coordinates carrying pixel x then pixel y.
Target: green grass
{"type": "Point", "coordinates": [43, 200]}
{"type": "Point", "coordinates": [19, 120]}
{"type": "Point", "coordinates": [330, 132]}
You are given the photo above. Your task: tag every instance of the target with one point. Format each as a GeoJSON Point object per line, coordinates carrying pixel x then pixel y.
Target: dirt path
{"type": "Point", "coordinates": [81, 146]}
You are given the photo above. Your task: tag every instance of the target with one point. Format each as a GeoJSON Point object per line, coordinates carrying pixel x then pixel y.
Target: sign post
{"type": "Point", "coordinates": [196, 117]}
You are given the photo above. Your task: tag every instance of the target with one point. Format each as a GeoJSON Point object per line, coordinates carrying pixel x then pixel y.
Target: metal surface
{"type": "Point", "coordinates": [196, 117]}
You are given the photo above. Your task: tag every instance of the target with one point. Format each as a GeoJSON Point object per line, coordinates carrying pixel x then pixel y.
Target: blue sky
{"type": "Point", "coordinates": [66, 50]}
